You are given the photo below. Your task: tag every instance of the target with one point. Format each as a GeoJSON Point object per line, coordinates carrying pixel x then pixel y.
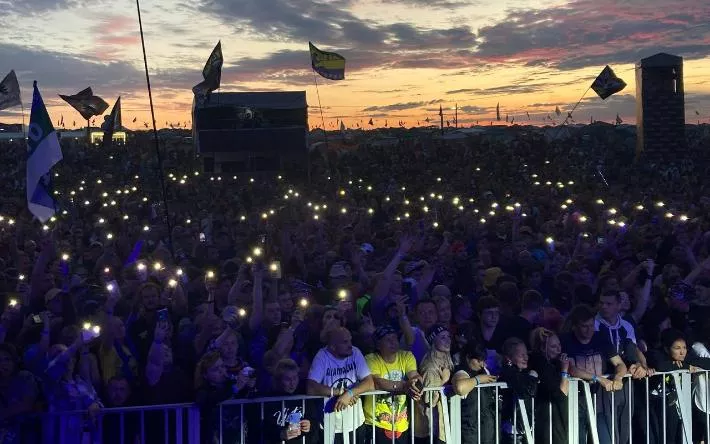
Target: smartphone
{"type": "Point", "coordinates": [163, 315]}
{"type": "Point", "coordinates": [202, 237]}
{"type": "Point", "coordinates": [601, 240]}
{"type": "Point", "coordinates": [112, 287]}
{"type": "Point", "coordinates": [36, 319]}
{"type": "Point", "coordinates": [275, 270]}
{"type": "Point", "coordinates": [294, 421]}
{"type": "Point", "coordinates": [90, 332]}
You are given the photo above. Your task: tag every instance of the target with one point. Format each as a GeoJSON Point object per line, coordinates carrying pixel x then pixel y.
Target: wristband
{"type": "Point", "coordinates": [478, 381]}
{"type": "Point", "coordinates": [331, 392]}
{"type": "Point", "coordinates": [350, 392]}
{"type": "Point", "coordinates": [565, 375]}
{"type": "Point", "coordinates": [595, 379]}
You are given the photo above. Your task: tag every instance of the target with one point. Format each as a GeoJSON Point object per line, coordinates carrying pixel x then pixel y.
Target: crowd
{"type": "Point", "coordinates": [397, 269]}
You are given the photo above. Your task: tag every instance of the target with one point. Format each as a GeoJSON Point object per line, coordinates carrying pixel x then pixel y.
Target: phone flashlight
{"type": "Point", "coordinates": [242, 312]}
{"type": "Point", "coordinates": [172, 283]}
{"type": "Point", "coordinates": [13, 303]}
{"type": "Point", "coordinates": [110, 287]}
{"type": "Point", "coordinates": [210, 274]}
{"type": "Point", "coordinates": [157, 266]}
{"type": "Point", "coordinates": [65, 257]}
{"type": "Point", "coordinates": [343, 293]}
{"type": "Point", "coordinates": [141, 267]}
{"type": "Point", "coordinates": [21, 277]}
{"type": "Point", "coordinates": [257, 252]}
{"type": "Point", "coordinates": [303, 302]}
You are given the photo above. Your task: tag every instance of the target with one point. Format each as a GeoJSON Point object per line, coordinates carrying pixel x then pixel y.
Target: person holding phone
{"type": "Point", "coordinates": [288, 421]}
{"type": "Point", "coordinates": [394, 371]}
{"type": "Point", "coordinates": [477, 401]}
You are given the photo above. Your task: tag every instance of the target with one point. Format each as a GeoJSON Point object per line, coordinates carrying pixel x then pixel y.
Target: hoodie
{"type": "Point", "coordinates": [619, 332]}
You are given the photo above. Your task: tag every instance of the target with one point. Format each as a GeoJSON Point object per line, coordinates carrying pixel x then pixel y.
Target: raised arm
{"type": "Point", "coordinates": [385, 281]}
{"type": "Point", "coordinates": [257, 311]}
{"type": "Point", "coordinates": [644, 295]}
{"type": "Point", "coordinates": [154, 367]}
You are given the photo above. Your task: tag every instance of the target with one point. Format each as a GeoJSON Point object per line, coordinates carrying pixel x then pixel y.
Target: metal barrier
{"type": "Point", "coordinates": [660, 407]}
{"type": "Point", "coordinates": [174, 423]}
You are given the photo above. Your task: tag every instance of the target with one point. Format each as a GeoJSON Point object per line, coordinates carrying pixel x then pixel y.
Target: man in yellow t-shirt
{"type": "Point", "coordinates": [394, 371]}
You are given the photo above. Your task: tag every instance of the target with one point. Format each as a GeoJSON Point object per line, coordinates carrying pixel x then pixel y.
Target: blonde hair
{"type": "Point", "coordinates": [539, 338]}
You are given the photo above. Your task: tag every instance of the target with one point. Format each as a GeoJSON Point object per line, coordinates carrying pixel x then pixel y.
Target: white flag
{"type": "Point", "coordinates": [43, 152]}
{"type": "Point", "coordinates": [9, 91]}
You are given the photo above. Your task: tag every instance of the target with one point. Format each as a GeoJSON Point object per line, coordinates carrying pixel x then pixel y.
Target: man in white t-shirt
{"type": "Point", "coordinates": [340, 372]}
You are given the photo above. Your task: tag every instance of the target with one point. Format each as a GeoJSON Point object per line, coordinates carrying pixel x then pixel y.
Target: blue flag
{"type": "Point", "coordinates": [43, 152]}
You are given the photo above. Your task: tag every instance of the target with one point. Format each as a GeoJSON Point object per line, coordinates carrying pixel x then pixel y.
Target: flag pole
{"type": "Point", "coordinates": [155, 135]}
{"type": "Point", "coordinates": [24, 132]}
{"type": "Point", "coordinates": [322, 119]}
{"type": "Point", "coordinates": [325, 131]}
{"type": "Point", "coordinates": [576, 105]}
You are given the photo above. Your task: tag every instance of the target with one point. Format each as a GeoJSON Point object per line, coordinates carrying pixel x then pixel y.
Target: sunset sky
{"type": "Point", "coordinates": [404, 57]}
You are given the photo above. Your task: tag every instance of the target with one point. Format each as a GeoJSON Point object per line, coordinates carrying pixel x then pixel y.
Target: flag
{"type": "Point", "coordinates": [697, 113]}
{"type": "Point", "coordinates": [528, 114]}
{"type": "Point", "coordinates": [441, 111]}
{"type": "Point", "coordinates": [498, 112]}
{"type": "Point", "coordinates": [211, 73]}
{"type": "Point", "coordinates": [112, 123]}
{"type": "Point", "coordinates": [43, 152]}
{"type": "Point", "coordinates": [342, 126]}
{"type": "Point", "coordinates": [557, 111]}
{"type": "Point", "coordinates": [145, 124]}
{"type": "Point", "coordinates": [512, 119]}
{"type": "Point", "coordinates": [506, 118]}
{"type": "Point", "coordinates": [86, 103]}
{"type": "Point", "coordinates": [330, 65]}
{"type": "Point", "coordinates": [618, 119]}
{"type": "Point", "coordinates": [61, 122]}
{"type": "Point", "coordinates": [73, 124]}
{"type": "Point", "coordinates": [607, 84]}
{"type": "Point", "coordinates": [134, 119]}
{"type": "Point", "coordinates": [9, 91]}
{"type": "Point", "coordinates": [385, 123]}
{"type": "Point", "coordinates": [426, 120]}
{"type": "Point", "coordinates": [370, 122]}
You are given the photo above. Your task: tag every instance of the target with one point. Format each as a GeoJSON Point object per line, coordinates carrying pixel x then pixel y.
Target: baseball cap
{"type": "Point", "coordinates": [367, 248]}
{"type": "Point", "coordinates": [384, 330]}
{"type": "Point", "coordinates": [338, 270]}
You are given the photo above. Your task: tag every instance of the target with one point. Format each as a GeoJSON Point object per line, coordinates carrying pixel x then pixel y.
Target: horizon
{"type": "Point", "coordinates": [529, 56]}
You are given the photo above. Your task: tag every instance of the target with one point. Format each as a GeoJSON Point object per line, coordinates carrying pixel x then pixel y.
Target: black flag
{"type": "Point", "coordinates": [212, 73]}
{"type": "Point", "coordinates": [86, 103]}
{"type": "Point", "coordinates": [607, 84]}
{"type": "Point", "coordinates": [112, 123]}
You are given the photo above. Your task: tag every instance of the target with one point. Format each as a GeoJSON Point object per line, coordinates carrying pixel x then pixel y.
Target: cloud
{"type": "Point", "coordinates": [332, 26]}
{"type": "Point", "coordinates": [401, 106]}
{"type": "Point", "coordinates": [436, 4]}
{"type": "Point", "coordinates": [65, 73]}
{"type": "Point", "coordinates": [596, 32]}
{"type": "Point", "coordinates": [471, 109]}
{"type": "Point", "coordinates": [36, 6]}
{"type": "Point", "coordinates": [507, 89]}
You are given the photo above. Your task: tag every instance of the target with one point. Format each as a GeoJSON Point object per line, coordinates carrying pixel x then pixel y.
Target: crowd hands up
{"type": "Point", "coordinates": [454, 266]}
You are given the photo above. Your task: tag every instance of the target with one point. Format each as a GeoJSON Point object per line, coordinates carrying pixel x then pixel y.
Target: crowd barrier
{"type": "Point", "coordinates": [644, 411]}
{"type": "Point", "coordinates": [169, 424]}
